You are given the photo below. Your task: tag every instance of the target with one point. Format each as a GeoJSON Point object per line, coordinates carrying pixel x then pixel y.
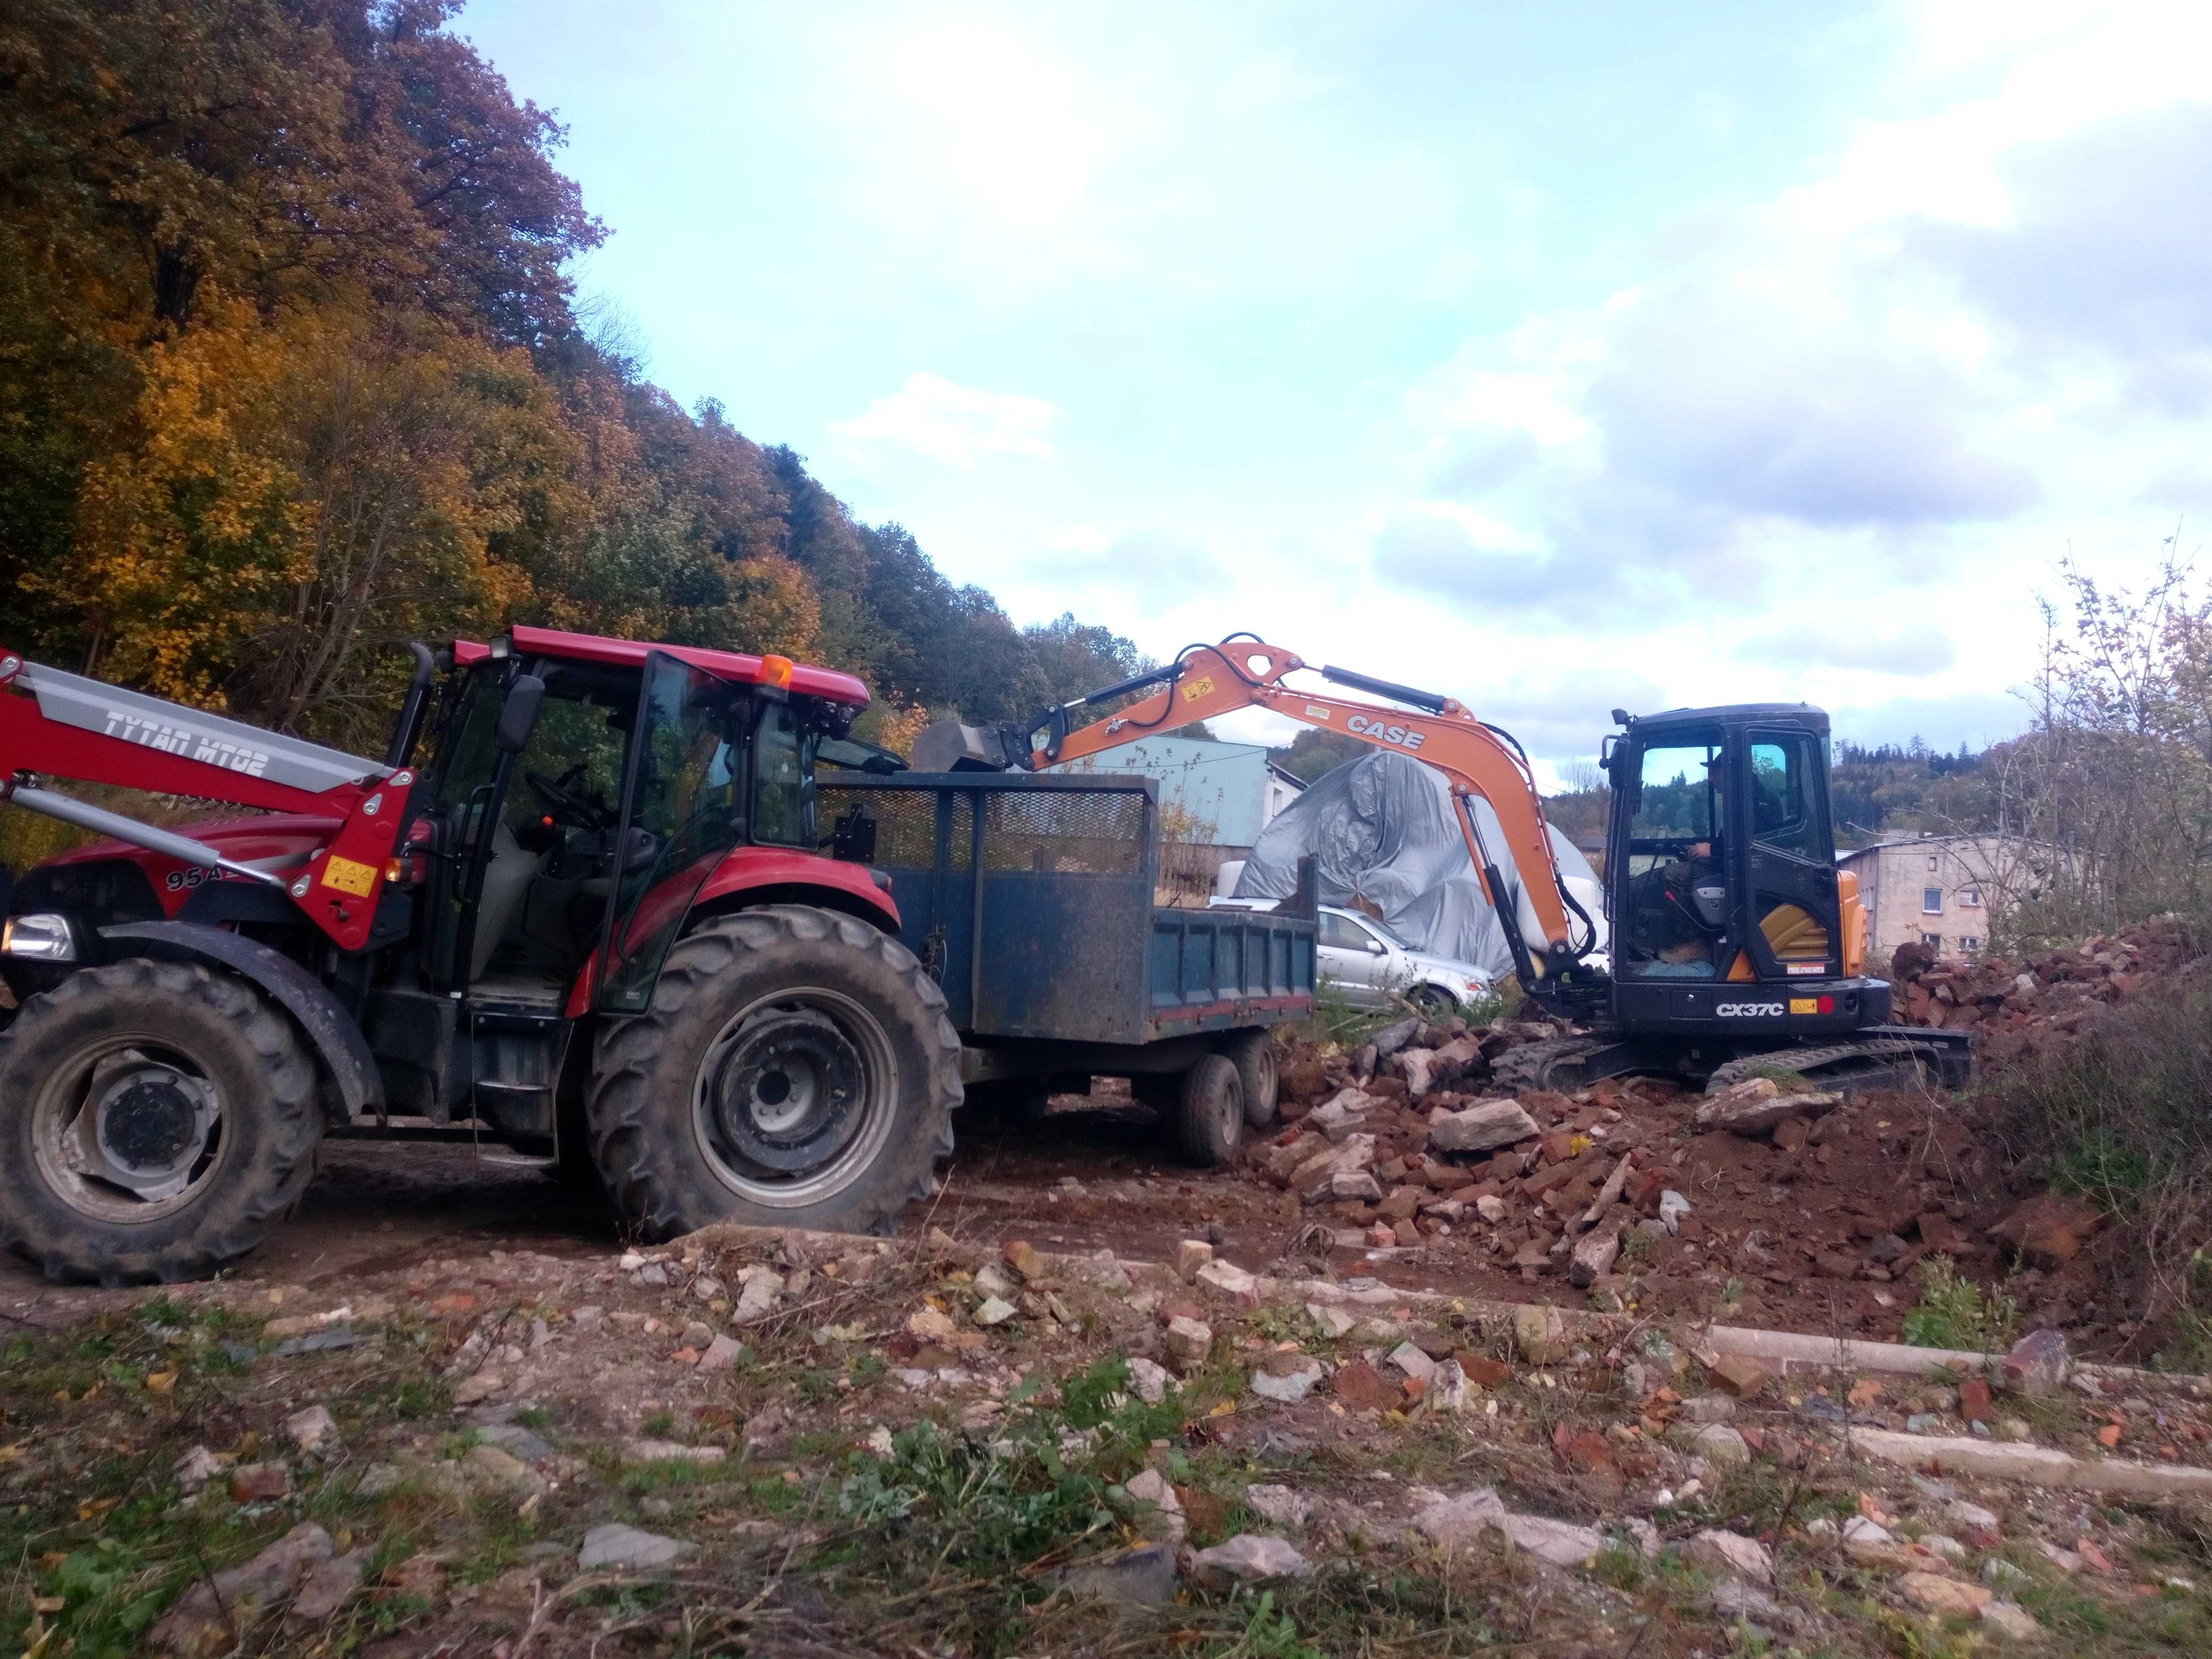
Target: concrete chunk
{"type": "Point", "coordinates": [1251, 1555]}
{"type": "Point", "coordinates": [1142, 1577]}
{"type": "Point", "coordinates": [622, 1548]}
{"type": "Point", "coordinates": [1560, 1542]}
{"type": "Point", "coordinates": [2038, 1466]}
{"type": "Point", "coordinates": [1481, 1127]}
{"type": "Point", "coordinates": [1456, 1522]}
{"type": "Point", "coordinates": [1753, 1107]}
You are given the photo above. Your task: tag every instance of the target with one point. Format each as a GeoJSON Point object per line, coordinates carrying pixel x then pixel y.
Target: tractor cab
{"type": "Point", "coordinates": [1728, 910]}
{"type": "Point", "coordinates": [583, 790]}
{"type": "Point", "coordinates": [583, 797]}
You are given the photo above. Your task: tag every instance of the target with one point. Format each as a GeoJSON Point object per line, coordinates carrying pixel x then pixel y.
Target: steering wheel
{"type": "Point", "coordinates": [567, 804]}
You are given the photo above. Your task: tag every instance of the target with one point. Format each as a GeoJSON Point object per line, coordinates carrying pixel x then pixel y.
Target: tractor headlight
{"type": "Point", "coordinates": [41, 937]}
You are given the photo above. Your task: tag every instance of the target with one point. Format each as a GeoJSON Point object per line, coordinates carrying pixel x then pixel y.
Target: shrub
{"type": "Point", "coordinates": [2122, 1114]}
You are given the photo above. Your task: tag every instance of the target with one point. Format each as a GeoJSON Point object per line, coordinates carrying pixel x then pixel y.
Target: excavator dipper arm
{"type": "Point", "coordinates": [1242, 673]}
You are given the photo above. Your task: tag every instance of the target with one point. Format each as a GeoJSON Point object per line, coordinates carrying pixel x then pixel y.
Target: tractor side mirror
{"type": "Point", "coordinates": [518, 718]}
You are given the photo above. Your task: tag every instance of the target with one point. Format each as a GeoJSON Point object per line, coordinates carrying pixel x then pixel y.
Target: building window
{"type": "Point", "coordinates": [1931, 901]}
{"type": "Point", "coordinates": [1931, 863]}
{"type": "Point", "coordinates": [1969, 896]}
{"type": "Point", "coordinates": [1933, 941]}
{"type": "Point", "coordinates": [1969, 944]}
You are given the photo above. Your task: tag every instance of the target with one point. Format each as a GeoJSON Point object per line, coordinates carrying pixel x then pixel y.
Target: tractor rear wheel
{"type": "Point", "coordinates": [155, 1118]}
{"type": "Point", "coordinates": [796, 1069]}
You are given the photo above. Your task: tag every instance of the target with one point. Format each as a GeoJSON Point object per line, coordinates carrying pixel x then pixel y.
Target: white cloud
{"type": "Point", "coordinates": [1984, 326]}
{"type": "Point", "coordinates": [995, 118]}
{"type": "Point", "coordinates": [1917, 648]}
{"type": "Point", "coordinates": [1078, 538]}
{"type": "Point", "coordinates": [956, 424]}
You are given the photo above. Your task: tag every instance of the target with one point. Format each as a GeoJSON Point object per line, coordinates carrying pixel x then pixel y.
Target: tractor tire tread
{"type": "Point", "coordinates": [282, 1158]}
{"type": "Point", "coordinates": [621, 1092]}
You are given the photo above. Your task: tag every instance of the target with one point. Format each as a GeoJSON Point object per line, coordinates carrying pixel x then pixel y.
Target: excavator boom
{"type": "Point", "coordinates": [1476, 758]}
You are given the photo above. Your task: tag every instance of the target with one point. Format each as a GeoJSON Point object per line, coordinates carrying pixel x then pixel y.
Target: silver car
{"type": "Point", "coordinates": [1368, 965]}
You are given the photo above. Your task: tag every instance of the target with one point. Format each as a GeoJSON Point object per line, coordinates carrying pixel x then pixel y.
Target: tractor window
{"type": "Point", "coordinates": [466, 765]}
{"type": "Point", "coordinates": [1784, 799]}
{"type": "Point", "coordinates": [783, 779]}
{"type": "Point", "coordinates": [681, 818]}
{"type": "Point", "coordinates": [581, 735]}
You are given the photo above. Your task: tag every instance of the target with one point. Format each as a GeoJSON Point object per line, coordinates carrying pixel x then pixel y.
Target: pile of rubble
{"type": "Point", "coordinates": [1636, 1192]}
{"type": "Point", "coordinates": [1399, 1143]}
{"type": "Point", "coordinates": [2011, 1005]}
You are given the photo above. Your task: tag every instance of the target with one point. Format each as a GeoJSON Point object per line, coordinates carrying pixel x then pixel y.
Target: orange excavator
{"type": "Point", "coordinates": [1736, 944]}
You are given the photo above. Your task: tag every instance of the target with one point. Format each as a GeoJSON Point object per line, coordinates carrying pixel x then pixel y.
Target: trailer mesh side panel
{"type": "Point", "coordinates": [1065, 833]}
{"type": "Point", "coordinates": [1038, 925]}
{"type": "Point", "coordinates": [906, 825]}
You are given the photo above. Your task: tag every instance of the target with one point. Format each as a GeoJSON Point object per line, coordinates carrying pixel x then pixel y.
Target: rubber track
{"type": "Point", "coordinates": [618, 1075]}
{"type": "Point", "coordinates": [1807, 1061]}
{"type": "Point", "coordinates": [1523, 1070]}
{"type": "Point", "coordinates": [295, 1118]}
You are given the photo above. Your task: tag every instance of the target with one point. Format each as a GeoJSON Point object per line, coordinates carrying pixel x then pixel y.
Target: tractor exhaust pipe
{"type": "Point", "coordinates": [167, 843]}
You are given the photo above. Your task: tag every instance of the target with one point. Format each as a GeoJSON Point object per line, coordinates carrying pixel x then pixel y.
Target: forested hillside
{"type": "Point", "coordinates": [291, 372]}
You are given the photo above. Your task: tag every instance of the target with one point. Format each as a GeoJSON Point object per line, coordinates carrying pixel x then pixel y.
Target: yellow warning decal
{"type": "Point", "coordinates": [348, 877]}
{"type": "Point", "coordinates": [1201, 687]}
{"type": "Point", "coordinates": [1804, 1005]}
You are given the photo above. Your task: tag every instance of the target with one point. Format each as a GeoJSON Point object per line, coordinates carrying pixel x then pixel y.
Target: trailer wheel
{"type": "Point", "coordinates": [1211, 1119]}
{"type": "Point", "coordinates": [155, 1118]}
{"type": "Point", "coordinates": [796, 1069]}
{"type": "Point", "coordinates": [1253, 1054]}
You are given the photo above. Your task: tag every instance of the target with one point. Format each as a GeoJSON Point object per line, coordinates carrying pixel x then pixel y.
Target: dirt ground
{"type": "Point", "coordinates": [1099, 1173]}
{"type": "Point", "coordinates": [450, 1410]}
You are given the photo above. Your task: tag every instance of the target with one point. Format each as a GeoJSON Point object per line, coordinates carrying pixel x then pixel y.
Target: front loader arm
{"type": "Point", "coordinates": [54, 723]}
{"type": "Point", "coordinates": [1476, 758]}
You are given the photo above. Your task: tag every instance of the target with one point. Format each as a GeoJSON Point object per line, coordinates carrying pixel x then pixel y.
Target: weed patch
{"type": "Point", "coordinates": [1956, 1313]}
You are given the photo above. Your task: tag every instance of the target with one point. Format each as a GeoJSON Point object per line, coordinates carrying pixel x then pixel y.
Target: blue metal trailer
{"type": "Point", "coordinates": [1029, 900]}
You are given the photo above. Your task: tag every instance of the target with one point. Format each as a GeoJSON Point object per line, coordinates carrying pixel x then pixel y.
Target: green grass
{"type": "Point", "coordinates": [1270, 1633]}
{"type": "Point", "coordinates": [1956, 1313]}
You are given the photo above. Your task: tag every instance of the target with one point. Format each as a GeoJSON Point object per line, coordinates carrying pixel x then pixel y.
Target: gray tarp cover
{"type": "Point", "coordinates": [1383, 828]}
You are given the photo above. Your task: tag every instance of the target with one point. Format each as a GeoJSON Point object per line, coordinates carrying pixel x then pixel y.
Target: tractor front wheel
{"type": "Point", "coordinates": [155, 1118]}
{"type": "Point", "coordinates": [796, 1069]}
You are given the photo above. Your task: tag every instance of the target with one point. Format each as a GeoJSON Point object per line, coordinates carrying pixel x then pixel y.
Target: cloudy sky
{"type": "Point", "coordinates": [1555, 357]}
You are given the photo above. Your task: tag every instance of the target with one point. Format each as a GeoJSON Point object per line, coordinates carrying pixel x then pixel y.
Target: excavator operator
{"type": "Point", "coordinates": [1677, 910]}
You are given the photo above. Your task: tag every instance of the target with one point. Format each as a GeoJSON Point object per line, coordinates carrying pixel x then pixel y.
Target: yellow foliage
{"type": "Point", "coordinates": [185, 533]}
{"type": "Point", "coordinates": [773, 607]}
{"type": "Point", "coordinates": [893, 726]}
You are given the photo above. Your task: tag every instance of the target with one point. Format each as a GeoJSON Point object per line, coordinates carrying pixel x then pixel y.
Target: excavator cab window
{"type": "Point", "coordinates": [1782, 810]}
{"type": "Point", "coordinates": [1676, 899]}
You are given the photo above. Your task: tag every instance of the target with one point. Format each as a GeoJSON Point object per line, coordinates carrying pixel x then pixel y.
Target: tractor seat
{"type": "Point", "coordinates": [508, 875]}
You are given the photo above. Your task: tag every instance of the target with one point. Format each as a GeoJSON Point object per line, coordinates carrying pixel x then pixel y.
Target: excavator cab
{"type": "Point", "coordinates": [1729, 914]}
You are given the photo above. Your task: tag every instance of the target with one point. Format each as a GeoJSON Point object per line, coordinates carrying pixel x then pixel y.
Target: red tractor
{"type": "Point", "coordinates": [603, 920]}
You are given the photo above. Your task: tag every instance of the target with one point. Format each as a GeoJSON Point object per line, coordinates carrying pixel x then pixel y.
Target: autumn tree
{"type": "Point", "coordinates": [291, 373]}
